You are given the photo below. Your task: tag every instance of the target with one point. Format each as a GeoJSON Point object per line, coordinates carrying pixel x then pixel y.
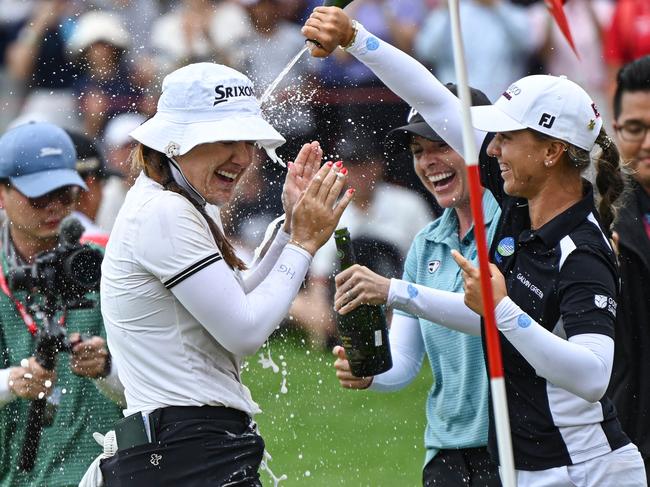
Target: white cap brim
{"type": "Point", "coordinates": [489, 118]}
{"type": "Point", "coordinates": [159, 132]}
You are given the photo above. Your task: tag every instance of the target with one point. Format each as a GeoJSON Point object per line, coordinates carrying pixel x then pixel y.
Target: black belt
{"type": "Point", "coordinates": [131, 431]}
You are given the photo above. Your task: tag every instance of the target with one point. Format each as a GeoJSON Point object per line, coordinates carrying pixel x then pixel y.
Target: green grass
{"type": "Point", "coordinates": [322, 435]}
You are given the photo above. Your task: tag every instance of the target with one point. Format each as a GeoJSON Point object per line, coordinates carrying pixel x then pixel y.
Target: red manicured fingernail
{"type": "Point", "coordinates": [339, 163]}
{"type": "Point", "coordinates": [344, 170]}
{"type": "Point", "coordinates": [351, 191]}
{"type": "Point", "coordinates": [329, 164]}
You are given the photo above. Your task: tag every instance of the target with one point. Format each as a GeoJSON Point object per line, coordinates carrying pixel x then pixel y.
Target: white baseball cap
{"type": "Point", "coordinates": [98, 26]}
{"type": "Point", "coordinates": [552, 105]}
{"type": "Point", "coordinates": [202, 103]}
{"type": "Point", "coordinates": [118, 128]}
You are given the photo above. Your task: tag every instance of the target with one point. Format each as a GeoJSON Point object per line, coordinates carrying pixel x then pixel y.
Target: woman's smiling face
{"type": "Point", "coordinates": [214, 169]}
{"type": "Point", "coordinates": [521, 160]}
{"type": "Point", "coordinates": [441, 170]}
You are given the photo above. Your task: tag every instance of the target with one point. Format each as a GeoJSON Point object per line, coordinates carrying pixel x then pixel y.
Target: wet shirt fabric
{"type": "Point", "coordinates": [564, 276]}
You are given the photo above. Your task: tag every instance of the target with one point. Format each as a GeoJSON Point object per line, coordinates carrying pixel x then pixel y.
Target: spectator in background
{"type": "Point", "coordinates": [39, 188]}
{"type": "Point", "coordinates": [270, 43]}
{"type": "Point", "coordinates": [137, 17]}
{"type": "Point", "coordinates": [13, 14]}
{"type": "Point", "coordinates": [105, 86]}
{"type": "Point", "coordinates": [118, 146]}
{"type": "Point", "coordinates": [380, 233]}
{"type": "Point", "coordinates": [38, 60]}
{"type": "Point", "coordinates": [263, 53]}
{"type": "Point", "coordinates": [628, 35]}
{"type": "Point", "coordinates": [588, 20]}
{"type": "Point", "coordinates": [91, 166]}
{"type": "Point", "coordinates": [199, 30]}
{"type": "Point", "coordinates": [630, 384]}
{"type": "Point", "coordinates": [504, 35]}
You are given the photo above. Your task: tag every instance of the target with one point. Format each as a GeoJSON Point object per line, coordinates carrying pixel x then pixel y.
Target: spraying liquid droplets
{"type": "Point", "coordinates": [271, 88]}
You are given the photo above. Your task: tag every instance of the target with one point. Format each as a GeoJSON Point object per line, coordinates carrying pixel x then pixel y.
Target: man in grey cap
{"type": "Point", "coordinates": [39, 187]}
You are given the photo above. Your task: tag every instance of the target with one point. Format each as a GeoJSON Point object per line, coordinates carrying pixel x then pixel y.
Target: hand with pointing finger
{"type": "Point", "coordinates": [472, 279]}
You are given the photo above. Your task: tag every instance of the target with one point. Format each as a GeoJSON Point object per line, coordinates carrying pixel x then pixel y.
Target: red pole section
{"type": "Point", "coordinates": [491, 334]}
{"type": "Point", "coordinates": [497, 381]}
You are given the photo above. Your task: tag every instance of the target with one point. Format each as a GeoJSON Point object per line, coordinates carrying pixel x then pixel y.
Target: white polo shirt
{"type": "Point", "coordinates": [166, 356]}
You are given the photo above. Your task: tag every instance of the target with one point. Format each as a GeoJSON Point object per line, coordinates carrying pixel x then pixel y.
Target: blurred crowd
{"type": "Point", "coordinates": [94, 67]}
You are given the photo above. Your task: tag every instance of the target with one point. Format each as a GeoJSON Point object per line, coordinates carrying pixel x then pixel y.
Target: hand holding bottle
{"type": "Point", "coordinates": [358, 285]}
{"type": "Point", "coordinates": [344, 374]}
{"type": "Point", "coordinates": [330, 27]}
{"type": "Point", "coordinates": [317, 212]}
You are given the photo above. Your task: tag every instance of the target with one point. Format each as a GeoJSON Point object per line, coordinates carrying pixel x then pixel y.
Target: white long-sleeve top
{"type": "Point", "coordinates": [178, 319]}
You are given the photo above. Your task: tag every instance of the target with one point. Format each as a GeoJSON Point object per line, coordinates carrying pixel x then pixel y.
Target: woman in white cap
{"type": "Point", "coordinates": [180, 313]}
{"type": "Point", "coordinates": [555, 280]}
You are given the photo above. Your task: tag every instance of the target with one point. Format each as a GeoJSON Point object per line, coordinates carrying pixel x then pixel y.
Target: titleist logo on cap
{"type": "Point", "coordinates": [223, 93]}
{"type": "Point", "coordinates": [50, 151]}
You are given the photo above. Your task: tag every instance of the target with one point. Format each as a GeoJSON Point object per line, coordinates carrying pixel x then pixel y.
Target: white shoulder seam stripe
{"type": "Point", "coordinates": [593, 220]}
{"type": "Point", "coordinates": [566, 247]}
{"type": "Point", "coordinates": [196, 267]}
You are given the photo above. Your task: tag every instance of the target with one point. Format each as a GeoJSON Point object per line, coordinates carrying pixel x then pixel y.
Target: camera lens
{"type": "Point", "coordinates": [83, 268]}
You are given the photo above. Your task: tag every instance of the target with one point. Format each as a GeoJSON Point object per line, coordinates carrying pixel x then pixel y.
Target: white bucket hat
{"type": "Point", "coordinates": [202, 103]}
{"type": "Point", "coordinates": [552, 105]}
{"type": "Point", "coordinates": [97, 26]}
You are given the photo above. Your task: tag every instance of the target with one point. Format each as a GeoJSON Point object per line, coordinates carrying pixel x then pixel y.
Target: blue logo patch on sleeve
{"type": "Point", "coordinates": [372, 44]}
{"type": "Point", "coordinates": [412, 290]}
{"type": "Point", "coordinates": [524, 321]}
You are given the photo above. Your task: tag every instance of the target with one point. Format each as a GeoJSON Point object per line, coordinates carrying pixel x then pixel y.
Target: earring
{"type": "Point", "coordinates": [547, 163]}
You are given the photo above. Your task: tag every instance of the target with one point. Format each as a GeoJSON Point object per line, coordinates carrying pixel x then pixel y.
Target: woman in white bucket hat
{"type": "Point", "coordinates": [180, 313]}
{"type": "Point", "coordinates": [555, 281]}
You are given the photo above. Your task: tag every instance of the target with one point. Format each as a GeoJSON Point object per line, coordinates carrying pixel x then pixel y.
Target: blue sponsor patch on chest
{"type": "Point", "coordinates": [505, 248]}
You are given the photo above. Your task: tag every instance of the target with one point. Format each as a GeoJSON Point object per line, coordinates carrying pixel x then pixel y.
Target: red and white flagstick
{"type": "Point", "coordinates": [497, 385]}
{"type": "Point", "coordinates": [555, 7]}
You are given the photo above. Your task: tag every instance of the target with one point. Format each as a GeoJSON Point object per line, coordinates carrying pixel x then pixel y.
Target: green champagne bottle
{"type": "Point", "coordinates": [363, 331]}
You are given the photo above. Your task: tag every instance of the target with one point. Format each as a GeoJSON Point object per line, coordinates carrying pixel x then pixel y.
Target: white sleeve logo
{"type": "Point", "coordinates": [600, 300]}
{"type": "Point", "coordinates": [605, 302]}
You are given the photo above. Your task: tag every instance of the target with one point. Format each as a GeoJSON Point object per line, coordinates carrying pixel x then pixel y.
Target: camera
{"type": "Point", "coordinates": [67, 272]}
{"type": "Point", "coordinates": [62, 277]}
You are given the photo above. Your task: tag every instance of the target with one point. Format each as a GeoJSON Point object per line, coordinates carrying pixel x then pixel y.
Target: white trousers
{"type": "Point", "coordinates": [621, 468]}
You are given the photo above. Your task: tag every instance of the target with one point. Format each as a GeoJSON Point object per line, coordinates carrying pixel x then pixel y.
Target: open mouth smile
{"type": "Point", "coordinates": [442, 180]}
